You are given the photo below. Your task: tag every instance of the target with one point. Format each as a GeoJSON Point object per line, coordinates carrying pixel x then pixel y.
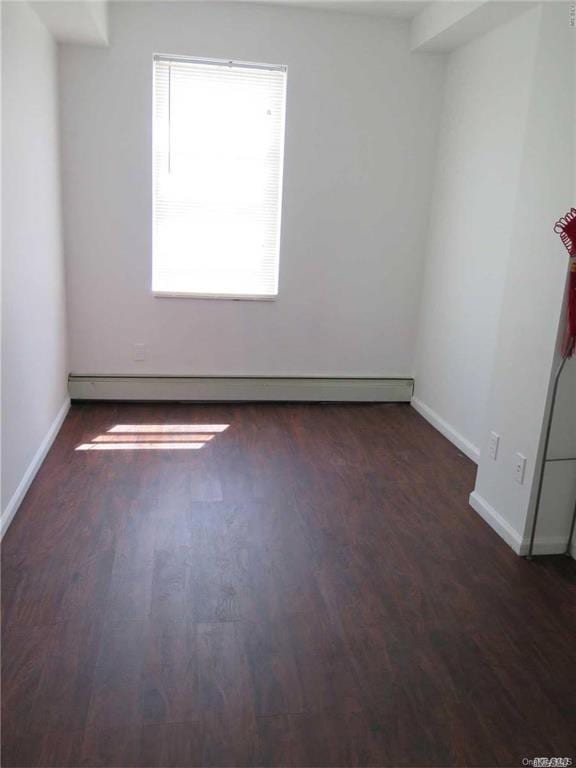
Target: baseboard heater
{"type": "Point", "coordinates": [240, 388]}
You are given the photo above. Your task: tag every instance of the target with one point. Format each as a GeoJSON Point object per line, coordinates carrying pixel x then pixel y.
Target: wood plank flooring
{"type": "Point", "coordinates": [309, 588]}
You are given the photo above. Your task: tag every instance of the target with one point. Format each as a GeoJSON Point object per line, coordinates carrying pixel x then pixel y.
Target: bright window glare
{"type": "Point", "coordinates": [139, 446]}
{"type": "Point", "coordinates": [168, 428]}
{"type": "Point", "coordinates": [218, 156]}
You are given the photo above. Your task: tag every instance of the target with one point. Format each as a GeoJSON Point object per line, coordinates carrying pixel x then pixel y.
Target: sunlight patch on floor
{"type": "Point", "coordinates": [139, 446]}
{"type": "Point", "coordinates": [154, 437]}
{"type": "Point", "coordinates": [168, 428]}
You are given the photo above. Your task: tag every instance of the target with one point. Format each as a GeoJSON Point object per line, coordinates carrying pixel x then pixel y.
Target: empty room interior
{"type": "Point", "coordinates": [288, 390]}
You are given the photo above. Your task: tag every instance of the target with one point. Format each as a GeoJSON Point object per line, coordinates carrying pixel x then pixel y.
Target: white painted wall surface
{"type": "Point", "coordinates": [34, 364]}
{"type": "Point", "coordinates": [79, 21]}
{"type": "Point", "coordinates": [360, 142]}
{"type": "Point", "coordinates": [535, 281]}
{"type": "Point", "coordinates": [472, 215]}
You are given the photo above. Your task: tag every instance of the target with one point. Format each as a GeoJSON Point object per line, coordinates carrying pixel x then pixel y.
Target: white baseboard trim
{"type": "Point", "coordinates": [240, 388]}
{"type": "Point", "coordinates": [543, 545]}
{"type": "Point", "coordinates": [30, 473]}
{"type": "Point", "coordinates": [468, 448]}
{"type": "Point", "coordinates": [496, 521]}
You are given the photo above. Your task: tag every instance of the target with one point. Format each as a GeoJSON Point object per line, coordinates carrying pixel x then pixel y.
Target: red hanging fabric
{"type": "Point", "coordinates": [566, 228]}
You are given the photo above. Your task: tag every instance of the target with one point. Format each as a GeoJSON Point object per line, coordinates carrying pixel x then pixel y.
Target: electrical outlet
{"type": "Point", "coordinates": [519, 467]}
{"type": "Point", "coordinates": [139, 352]}
{"type": "Point", "coordinates": [493, 444]}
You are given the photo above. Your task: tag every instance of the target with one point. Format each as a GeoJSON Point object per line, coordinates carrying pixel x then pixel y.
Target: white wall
{"type": "Point", "coordinates": [361, 129]}
{"type": "Point", "coordinates": [535, 284]}
{"type": "Point", "coordinates": [485, 107]}
{"type": "Point", "coordinates": [34, 362]}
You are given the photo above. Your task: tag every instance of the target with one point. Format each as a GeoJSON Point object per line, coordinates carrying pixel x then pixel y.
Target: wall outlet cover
{"type": "Point", "coordinates": [519, 467]}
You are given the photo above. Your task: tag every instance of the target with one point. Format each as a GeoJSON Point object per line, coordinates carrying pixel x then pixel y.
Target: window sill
{"type": "Point", "coordinates": [221, 296]}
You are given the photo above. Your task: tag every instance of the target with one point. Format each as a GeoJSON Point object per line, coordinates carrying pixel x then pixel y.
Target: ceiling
{"type": "Point", "coordinates": [402, 9]}
{"type": "Point", "coordinates": [434, 26]}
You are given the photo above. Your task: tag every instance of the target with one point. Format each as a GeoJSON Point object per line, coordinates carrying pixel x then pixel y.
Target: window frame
{"type": "Point", "coordinates": [224, 63]}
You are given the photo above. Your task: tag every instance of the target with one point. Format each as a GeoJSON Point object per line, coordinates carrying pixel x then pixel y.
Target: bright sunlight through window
{"type": "Point", "coordinates": [218, 156]}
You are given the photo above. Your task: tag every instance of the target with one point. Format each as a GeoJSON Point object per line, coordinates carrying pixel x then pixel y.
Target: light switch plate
{"type": "Point", "coordinates": [139, 352]}
{"type": "Point", "coordinates": [493, 445]}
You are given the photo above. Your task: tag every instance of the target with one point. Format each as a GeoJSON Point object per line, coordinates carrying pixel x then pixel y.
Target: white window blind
{"type": "Point", "coordinates": [218, 156]}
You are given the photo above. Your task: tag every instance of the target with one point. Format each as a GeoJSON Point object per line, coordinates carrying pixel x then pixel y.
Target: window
{"type": "Point", "coordinates": [218, 155]}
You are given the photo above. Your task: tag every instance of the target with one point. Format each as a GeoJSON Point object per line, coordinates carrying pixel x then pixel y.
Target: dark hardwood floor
{"type": "Point", "coordinates": [309, 588]}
